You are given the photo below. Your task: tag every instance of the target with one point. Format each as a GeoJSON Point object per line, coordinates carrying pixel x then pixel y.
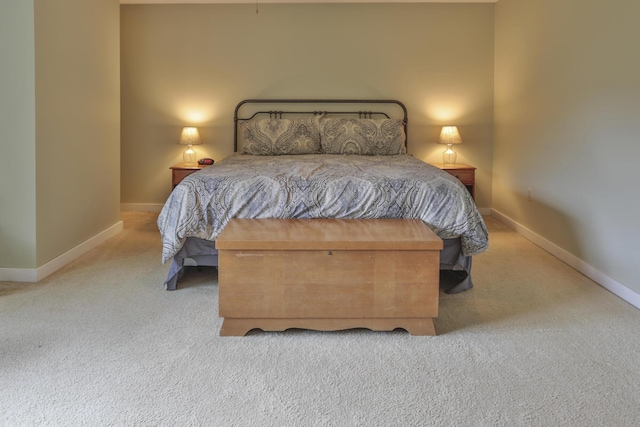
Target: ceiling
{"type": "Point", "coordinates": [298, 1]}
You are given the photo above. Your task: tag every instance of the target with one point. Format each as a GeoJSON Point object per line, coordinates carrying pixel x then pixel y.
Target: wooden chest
{"type": "Point", "coordinates": [328, 274]}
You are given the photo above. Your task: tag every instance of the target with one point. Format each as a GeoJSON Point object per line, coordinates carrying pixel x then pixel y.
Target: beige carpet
{"type": "Point", "coordinates": [101, 343]}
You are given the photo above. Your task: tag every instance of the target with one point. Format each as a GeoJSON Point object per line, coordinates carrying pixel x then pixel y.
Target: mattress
{"type": "Point", "coordinates": [320, 186]}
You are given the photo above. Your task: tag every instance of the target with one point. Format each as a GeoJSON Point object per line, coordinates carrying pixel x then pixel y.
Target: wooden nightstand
{"type": "Point", "coordinates": [182, 170]}
{"type": "Point", "coordinates": [465, 173]}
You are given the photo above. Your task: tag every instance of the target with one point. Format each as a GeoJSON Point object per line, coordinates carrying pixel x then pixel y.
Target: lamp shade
{"type": "Point", "coordinates": [450, 135]}
{"type": "Point", "coordinates": [189, 136]}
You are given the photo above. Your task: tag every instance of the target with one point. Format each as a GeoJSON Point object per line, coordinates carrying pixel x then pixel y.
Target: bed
{"type": "Point", "coordinates": [344, 159]}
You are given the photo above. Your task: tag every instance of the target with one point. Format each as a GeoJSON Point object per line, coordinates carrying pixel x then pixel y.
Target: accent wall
{"type": "Point", "coordinates": [189, 65]}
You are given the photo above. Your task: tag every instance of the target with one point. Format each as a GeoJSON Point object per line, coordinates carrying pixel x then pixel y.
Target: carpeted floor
{"type": "Point", "coordinates": [101, 343]}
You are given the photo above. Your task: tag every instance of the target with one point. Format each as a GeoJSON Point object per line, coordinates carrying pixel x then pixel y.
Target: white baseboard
{"type": "Point", "coordinates": [36, 274]}
{"type": "Point", "coordinates": [591, 272]}
{"type": "Point", "coordinates": [141, 207]}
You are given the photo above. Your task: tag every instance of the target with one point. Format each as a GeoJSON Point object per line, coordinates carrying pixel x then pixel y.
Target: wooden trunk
{"type": "Point", "coordinates": [328, 274]}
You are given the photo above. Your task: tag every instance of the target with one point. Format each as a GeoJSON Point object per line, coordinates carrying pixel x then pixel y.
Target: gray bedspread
{"type": "Point", "coordinates": [319, 186]}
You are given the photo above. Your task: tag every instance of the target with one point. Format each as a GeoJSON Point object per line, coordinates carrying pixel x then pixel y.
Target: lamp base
{"type": "Point", "coordinates": [189, 156]}
{"type": "Point", "coordinates": [449, 156]}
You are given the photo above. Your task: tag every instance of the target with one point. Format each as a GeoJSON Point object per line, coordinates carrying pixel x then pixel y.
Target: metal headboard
{"type": "Point", "coordinates": [325, 102]}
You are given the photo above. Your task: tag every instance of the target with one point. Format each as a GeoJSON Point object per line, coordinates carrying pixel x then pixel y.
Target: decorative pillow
{"type": "Point", "coordinates": [379, 137]}
{"type": "Point", "coordinates": [272, 137]}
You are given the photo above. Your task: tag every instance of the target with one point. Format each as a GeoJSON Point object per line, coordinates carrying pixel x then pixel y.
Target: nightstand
{"type": "Point", "coordinates": [181, 171]}
{"type": "Point", "coordinates": [465, 173]}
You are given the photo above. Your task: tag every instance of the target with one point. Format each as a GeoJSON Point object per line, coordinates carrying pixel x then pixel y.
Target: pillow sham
{"type": "Point", "coordinates": [273, 137]}
{"type": "Point", "coordinates": [374, 137]}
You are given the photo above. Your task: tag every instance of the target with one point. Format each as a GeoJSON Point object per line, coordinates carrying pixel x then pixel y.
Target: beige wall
{"type": "Point", "coordinates": [567, 126]}
{"type": "Point", "coordinates": [191, 64]}
{"type": "Point", "coordinates": [77, 121]}
{"type": "Point", "coordinates": [60, 172]}
{"type": "Point", "coordinates": [17, 136]}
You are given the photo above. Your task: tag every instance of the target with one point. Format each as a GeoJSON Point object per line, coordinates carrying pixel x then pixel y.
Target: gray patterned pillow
{"type": "Point", "coordinates": [273, 137]}
{"type": "Point", "coordinates": [379, 137]}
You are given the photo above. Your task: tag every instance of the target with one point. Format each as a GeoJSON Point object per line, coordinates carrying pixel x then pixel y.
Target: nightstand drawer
{"type": "Point", "coordinates": [466, 176]}
{"type": "Point", "coordinates": [465, 173]}
{"type": "Point", "coordinates": [180, 174]}
{"type": "Point", "coordinates": [181, 171]}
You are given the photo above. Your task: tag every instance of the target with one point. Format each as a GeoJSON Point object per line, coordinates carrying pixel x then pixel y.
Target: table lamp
{"type": "Point", "coordinates": [449, 135]}
{"type": "Point", "coordinates": [189, 136]}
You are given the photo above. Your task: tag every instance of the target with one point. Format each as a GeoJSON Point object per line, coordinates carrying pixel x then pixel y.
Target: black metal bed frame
{"type": "Point", "coordinates": [279, 113]}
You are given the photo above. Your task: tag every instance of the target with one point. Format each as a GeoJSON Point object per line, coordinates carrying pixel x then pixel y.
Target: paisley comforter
{"type": "Point", "coordinates": [319, 186]}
